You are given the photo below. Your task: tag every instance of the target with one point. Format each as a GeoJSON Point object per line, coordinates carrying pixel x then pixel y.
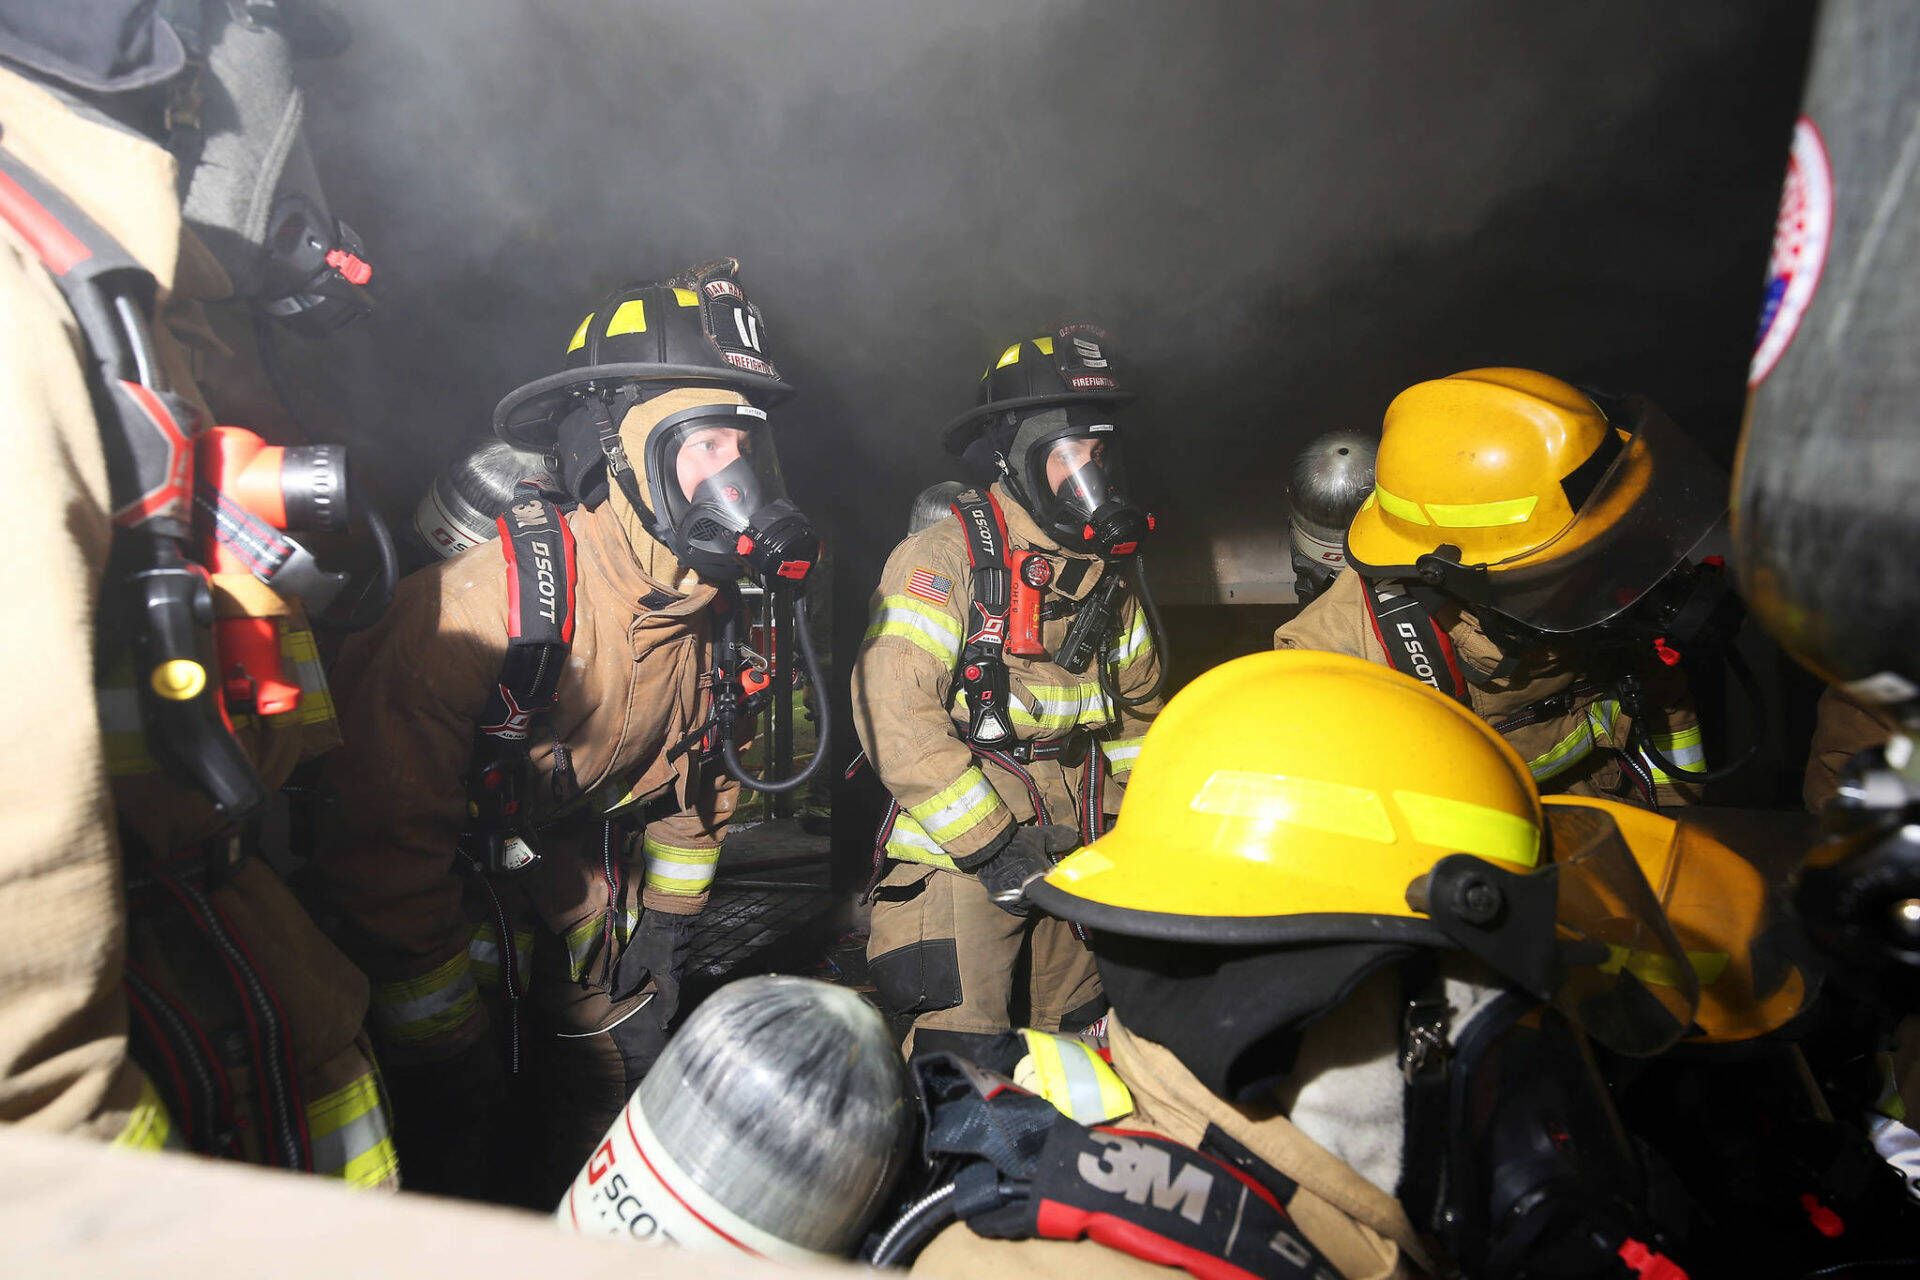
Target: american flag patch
{"type": "Point", "coordinates": [929, 585]}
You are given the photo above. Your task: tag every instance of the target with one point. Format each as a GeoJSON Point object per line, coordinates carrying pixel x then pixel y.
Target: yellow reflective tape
{"type": "Point", "coordinates": [148, 1126]}
{"type": "Point", "coordinates": [1332, 807]}
{"type": "Point", "coordinates": [685, 870]}
{"type": "Point", "coordinates": [580, 335]}
{"type": "Point", "coordinates": [1482, 515]}
{"type": "Point", "coordinates": [1122, 752]}
{"type": "Point", "coordinates": [921, 625]}
{"type": "Point", "coordinates": [1663, 970]}
{"type": "Point", "coordinates": [351, 1137]}
{"type": "Point", "coordinates": [1010, 356]}
{"type": "Point", "coordinates": [1464, 827]}
{"type": "Point", "coordinates": [1396, 506]}
{"type": "Point", "coordinates": [958, 807]}
{"type": "Point", "coordinates": [1071, 1075]}
{"type": "Point", "coordinates": [686, 297]}
{"type": "Point", "coordinates": [629, 317]}
{"type": "Point", "coordinates": [909, 843]}
{"type": "Point", "coordinates": [413, 1010]}
{"type": "Point", "coordinates": [1564, 753]}
{"type": "Point", "coordinates": [1045, 345]}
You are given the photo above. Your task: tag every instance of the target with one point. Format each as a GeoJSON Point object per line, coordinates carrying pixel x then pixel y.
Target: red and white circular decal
{"type": "Point", "coordinates": [1800, 237]}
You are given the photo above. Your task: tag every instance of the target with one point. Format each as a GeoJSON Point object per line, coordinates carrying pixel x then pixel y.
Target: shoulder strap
{"type": "Point", "coordinates": [541, 574]}
{"type": "Point", "coordinates": [1415, 644]}
{"type": "Point", "coordinates": [981, 670]}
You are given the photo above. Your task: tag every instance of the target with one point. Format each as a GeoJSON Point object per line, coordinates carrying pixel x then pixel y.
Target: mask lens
{"type": "Point", "coordinates": [707, 450]}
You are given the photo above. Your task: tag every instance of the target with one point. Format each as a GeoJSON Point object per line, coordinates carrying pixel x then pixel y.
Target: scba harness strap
{"type": "Point", "coordinates": [541, 570]}
{"type": "Point", "coordinates": [1026, 1171]}
{"type": "Point", "coordinates": [980, 673]}
{"type": "Point", "coordinates": [1414, 643]}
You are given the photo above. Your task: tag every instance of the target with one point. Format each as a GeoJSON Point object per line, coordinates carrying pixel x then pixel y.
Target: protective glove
{"type": "Point", "coordinates": [659, 947]}
{"type": "Point", "coordinates": [1025, 854]}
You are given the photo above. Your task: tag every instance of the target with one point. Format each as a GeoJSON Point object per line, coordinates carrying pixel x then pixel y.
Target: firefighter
{"type": "Point", "coordinates": [1525, 550]}
{"type": "Point", "coordinates": [159, 985]}
{"type": "Point", "coordinates": [527, 823]}
{"type": "Point", "coordinates": [1000, 749]}
{"type": "Point", "coordinates": [1349, 991]}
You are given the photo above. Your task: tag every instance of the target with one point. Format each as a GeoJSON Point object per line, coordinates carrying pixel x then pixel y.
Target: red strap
{"type": "Point", "coordinates": [56, 246]}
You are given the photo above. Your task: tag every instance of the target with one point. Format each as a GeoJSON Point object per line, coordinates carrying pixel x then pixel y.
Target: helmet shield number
{"type": "Point", "coordinates": [1647, 513]}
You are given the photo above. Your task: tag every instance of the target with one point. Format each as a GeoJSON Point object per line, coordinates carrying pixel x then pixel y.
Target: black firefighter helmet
{"type": "Point", "coordinates": [697, 327]}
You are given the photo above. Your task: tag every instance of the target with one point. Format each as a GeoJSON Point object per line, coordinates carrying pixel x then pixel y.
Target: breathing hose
{"type": "Point", "coordinates": [921, 1220]}
{"type": "Point", "coordinates": [1750, 685]}
{"type": "Point", "coordinates": [1109, 680]}
{"type": "Point", "coordinates": [730, 753]}
{"type": "Point", "coordinates": [360, 617]}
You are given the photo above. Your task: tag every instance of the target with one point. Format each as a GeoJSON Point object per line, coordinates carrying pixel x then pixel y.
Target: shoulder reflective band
{"type": "Point", "coordinates": [1071, 1074]}
{"type": "Point", "coordinates": [1458, 826]}
{"type": "Point", "coordinates": [926, 627]}
{"type": "Point", "coordinates": [1459, 515]}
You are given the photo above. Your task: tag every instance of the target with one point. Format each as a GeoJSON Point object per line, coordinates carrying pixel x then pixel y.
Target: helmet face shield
{"type": "Point", "coordinates": [717, 488]}
{"type": "Point", "coordinates": [1647, 513]}
{"type": "Point", "coordinates": [1584, 932]}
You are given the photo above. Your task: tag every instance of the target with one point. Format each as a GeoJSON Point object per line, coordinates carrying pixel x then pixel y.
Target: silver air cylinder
{"type": "Point", "coordinates": [463, 501]}
{"type": "Point", "coordinates": [775, 1123]}
{"type": "Point", "coordinates": [1329, 480]}
{"type": "Point", "coordinates": [933, 504]}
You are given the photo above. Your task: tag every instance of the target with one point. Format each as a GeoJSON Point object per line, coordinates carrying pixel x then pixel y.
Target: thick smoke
{"type": "Point", "coordinates": [1284, 213]}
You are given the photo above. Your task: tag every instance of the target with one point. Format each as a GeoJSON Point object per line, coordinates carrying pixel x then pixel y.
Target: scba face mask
{"type": "Point", "coordinates": [1069, 471]}
{"type": "Point", "coordinates": [720, 499]}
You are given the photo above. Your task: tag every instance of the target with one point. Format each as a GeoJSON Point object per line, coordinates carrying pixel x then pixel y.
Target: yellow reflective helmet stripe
{"type": "Point", "coordinates": [1394, 505]}
{"type": "Point", "coordinates": [351, 1137]}
{"type": "Point", "coordinates": [1663, 970]}
{"type": "Point", "coordinates": [686, 297]}
{"type": "Point", "coordinates": [1069, 1073]}
{"type": "Point", "coordinates": [921, 625]}
{"type": "Point", "coordinates": [414, 1010]}
{"type": "Point", "coordinates": [1045, 345]}
{"type": "Point", "coordinates": [1339, 809]}
{"type": "Point", "coordinates": [1332, 807]}
{"type": "Point", "coordinates": [958, 807]}
{"type": "Point", "coordinates": [1465, 827]}
{"type": "Point", "coordinates": [1483, 515]}
{"type": "Point", "coordinates": [149, 1127]}
{"type": "Point", "coordinates": [1458, 515]}
{"type": "Point", "coordinates": [1010, 356]}
{"type": "Point", "coordinates": [580, 335]}
{"type": "Point", "coordinates": [682, 870]}
{"type": "Point", "coordinates": [629, 317]}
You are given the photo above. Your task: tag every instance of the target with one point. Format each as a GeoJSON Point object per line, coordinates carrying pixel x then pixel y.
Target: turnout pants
{"type": "Point", "coordinates": [943, 954]}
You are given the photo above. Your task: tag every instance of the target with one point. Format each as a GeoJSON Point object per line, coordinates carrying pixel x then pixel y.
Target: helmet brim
{"type": "Point", "coordinates": [1374, 546]}
{"type": "Point", "coordinates": [529, 416]}
{"type": "Point", "coordinates": [959, 433]}
{"type": "Point", "coordinates": [1232, 931]}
